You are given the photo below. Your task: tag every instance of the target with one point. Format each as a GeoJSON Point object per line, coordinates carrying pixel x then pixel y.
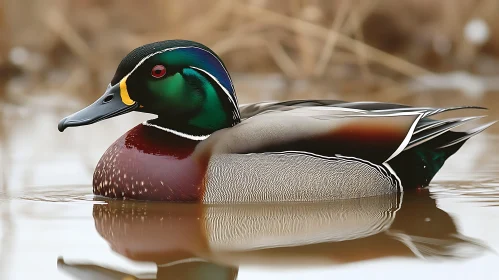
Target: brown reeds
{"type": "Point", "coordinates": [370, 45]}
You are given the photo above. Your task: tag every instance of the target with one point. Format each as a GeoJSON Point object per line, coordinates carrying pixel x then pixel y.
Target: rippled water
{"type": "Point", "coordinates": [51, 227]}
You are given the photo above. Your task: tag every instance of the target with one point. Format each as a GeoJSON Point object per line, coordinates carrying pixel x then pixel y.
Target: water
{"type": "Point", "coordinates": [52, 227]}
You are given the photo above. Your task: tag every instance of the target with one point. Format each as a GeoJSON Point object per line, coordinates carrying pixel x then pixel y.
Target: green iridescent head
{"type": "Point", "coordinates": [183, 82]}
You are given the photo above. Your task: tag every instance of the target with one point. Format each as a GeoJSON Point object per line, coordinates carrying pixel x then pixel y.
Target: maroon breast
{"type": "Point", "coordinates": [147, 163]}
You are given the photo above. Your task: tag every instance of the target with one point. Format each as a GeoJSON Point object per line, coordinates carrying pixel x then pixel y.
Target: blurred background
{"type": "Point", "coordinates": [303, 48]}
{"type": "Point", "coordinates": [57, 56]}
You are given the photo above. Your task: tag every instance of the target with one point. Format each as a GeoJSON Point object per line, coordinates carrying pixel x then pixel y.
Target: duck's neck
{"type": "Point", "coordinates": [217, 112]}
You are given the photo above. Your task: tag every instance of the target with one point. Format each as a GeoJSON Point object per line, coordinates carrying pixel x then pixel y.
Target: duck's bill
{"type": "Point", "coordinates": [109, 105]}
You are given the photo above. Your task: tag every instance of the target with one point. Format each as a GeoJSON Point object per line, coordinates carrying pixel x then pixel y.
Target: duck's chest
{"type": "Point", "coordinates": [150, 164]}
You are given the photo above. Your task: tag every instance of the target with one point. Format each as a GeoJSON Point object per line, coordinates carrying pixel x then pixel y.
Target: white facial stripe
{"type": "Point", "coordinates": [221, 86]}
{"type": "Point", "coordinates": [178, 133]}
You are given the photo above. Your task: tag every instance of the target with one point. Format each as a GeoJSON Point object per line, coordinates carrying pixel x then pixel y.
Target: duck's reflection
{"type": "Point", "coordinates": [191, 241]}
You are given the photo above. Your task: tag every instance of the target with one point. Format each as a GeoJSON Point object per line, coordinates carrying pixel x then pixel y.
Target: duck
{"type": "Point", "coordinates": [204, 147]}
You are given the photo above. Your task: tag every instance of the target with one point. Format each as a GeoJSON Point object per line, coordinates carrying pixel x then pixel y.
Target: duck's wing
{"type": "Point", "coordinates": [252, 109]}
{"type": "Point", "coordinates": [426, 128]}
{"type": "Point", "coordinates": [376, 132]}
{"type": "Point", "coordinates": [324, 131]}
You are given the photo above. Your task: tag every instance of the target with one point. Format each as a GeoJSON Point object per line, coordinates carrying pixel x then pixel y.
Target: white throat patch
{"type": "Point", "coordinates": [178, 133]}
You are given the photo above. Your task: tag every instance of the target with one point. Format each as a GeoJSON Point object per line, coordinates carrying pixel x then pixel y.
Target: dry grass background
{"type": "Point", "coordinates": [344, 46]}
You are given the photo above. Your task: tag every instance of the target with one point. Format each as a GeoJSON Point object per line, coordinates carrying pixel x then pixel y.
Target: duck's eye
{"type": "Point", "coordinates": [158, 71]}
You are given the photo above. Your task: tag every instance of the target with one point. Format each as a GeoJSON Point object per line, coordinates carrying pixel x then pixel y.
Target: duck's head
{"type": "Point", "coordinates": [184, 83]}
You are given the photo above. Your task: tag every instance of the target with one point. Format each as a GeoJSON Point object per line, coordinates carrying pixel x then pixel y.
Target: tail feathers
{"type": "Point", "coordinates": [435, 129]}
{"type": "Point", "coordinates": [442, 110]}
{"type": "Point", "coordinates": [429, 149]}
{"type": "Point", "coordinates": [426, 124]}
{"type": "Point", "coordinates": [468, 134]}
{"type": "Point", "coordinates": [417, 167]}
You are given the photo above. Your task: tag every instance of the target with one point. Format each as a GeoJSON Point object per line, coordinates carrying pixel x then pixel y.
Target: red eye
{"type": "Point", "coordinates": [158, 71]}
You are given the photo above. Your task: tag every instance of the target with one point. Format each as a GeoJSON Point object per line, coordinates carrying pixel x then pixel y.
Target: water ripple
{"type": "Point", "coordinates": [59, 194]}
{"type": "Point", "coordinates": [483, 193]}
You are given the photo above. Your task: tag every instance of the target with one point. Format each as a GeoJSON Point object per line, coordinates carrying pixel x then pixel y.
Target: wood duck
{"type": "Point", "coordinates": [204, 147]}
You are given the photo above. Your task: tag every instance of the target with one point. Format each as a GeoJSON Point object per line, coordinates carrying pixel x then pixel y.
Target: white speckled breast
{"type": "Point", "coordinates": [294, 176]}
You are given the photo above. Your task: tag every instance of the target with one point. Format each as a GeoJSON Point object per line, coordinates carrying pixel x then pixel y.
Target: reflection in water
{"type": "Point", "coordinates": [192, 241]}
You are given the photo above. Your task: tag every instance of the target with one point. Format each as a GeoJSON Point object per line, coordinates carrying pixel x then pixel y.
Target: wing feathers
{"type": "Point", "coordinates": [429, 123]}
{"type": "Point", "coordinates": [374, 131]}
{"type": "Point", "coordinates": [448, 109]}
{"type": "Point", "coordinates": [435, 131]}
{"type": "Point", "coordinates": [468, 134]}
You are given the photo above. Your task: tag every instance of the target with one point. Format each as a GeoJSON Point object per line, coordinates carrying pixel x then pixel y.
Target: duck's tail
{"type": "Point", "coordinates": [432, 143]}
